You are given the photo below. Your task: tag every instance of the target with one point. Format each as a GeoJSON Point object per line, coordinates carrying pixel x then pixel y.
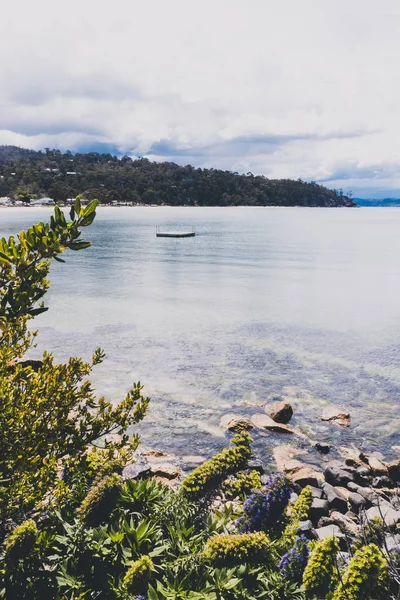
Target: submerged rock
{"type": "Point", "coordinates": [265, 422]}
{"type": "Point", "coordinates": [377, 466]}
{"type": "Point", "coordinates": [281, 412]}
{"type": "Point", "coordinates": [306, 476]}
{"type": "Point", "coordinates": [336, 416]}
{"type": "Point", "coordinates": [322, 447]}
{"type": "Point", "coordinates": [166, 471]}
{"type": "Point", "coordinates": [236, 423]}
{"type": "Point", "coordinates": [353, 457]}
{"type": "Point", "coordinates": [191, 461]}
{"type": "Point", "coordinates": [297, 471]}
{"type": "Point", "coordinates": [285, 460]}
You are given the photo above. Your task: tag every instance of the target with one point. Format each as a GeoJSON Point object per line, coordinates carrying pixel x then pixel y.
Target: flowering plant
{"type": "Point", "coordinates": [264, 508]}
{"type": "Point", "coordinates": [294, 562]}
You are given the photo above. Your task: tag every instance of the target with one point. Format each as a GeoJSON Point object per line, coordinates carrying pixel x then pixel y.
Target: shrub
{"type": "Point", "coordinates": [366, 572]}
{"type": "Point", "coordinates": [243, 483]}
{"type": "Point", "coordinates": [298, 512]}
{"type": "Point", "coordinates": [225, 550]}
{"type": "Point", "coordinates": [20, 542]}
{"type": "Point", "coordinates": [320, 575]}
{"type": "Point", "coordinates": [51, 415]}
{"type": "Point", "coordinates": [137, 577]}
{"type": "Point", "coordinates": [294, 562]}
{"type": "Point", "coordinates": [100, 500]}
{"type": "Point", "coordinates": [264, 509]}
{"type": "Point", "coordinates": [373, 532]}
{"type": "Point", "coordinates": [211, 473]}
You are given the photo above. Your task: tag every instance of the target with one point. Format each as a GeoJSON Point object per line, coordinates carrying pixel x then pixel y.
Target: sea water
{"type": "Point", "coordinates": [263, 304]}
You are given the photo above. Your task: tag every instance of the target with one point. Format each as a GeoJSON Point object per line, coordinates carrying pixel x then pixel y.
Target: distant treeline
{"type": "Point", "coordinates": [27, 173]}
{"type": "Point", "coordinates": [384, 202]}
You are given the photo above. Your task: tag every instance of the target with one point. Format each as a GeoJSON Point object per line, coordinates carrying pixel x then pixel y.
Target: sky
{"type": "Point", "coordinates": [285, 88]}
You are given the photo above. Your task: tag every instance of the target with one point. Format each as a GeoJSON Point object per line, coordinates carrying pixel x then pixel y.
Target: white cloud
{"type": "Point", "coordinates": [286, 88]}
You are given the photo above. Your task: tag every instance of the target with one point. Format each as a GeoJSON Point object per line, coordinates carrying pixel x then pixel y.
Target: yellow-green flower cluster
{"type": "Point", "coordinates": [225, 550]}
{"type": "Point", "coordinates": [320, 575]}
{"type": "Point", "coordinates": [298, 512]}
{"type": "Point", "coordinates": [20, 542]}
{"type": "Point", "coordinates": [211, 473]}
{"type": "Point", "coordinates": [100, 500]}
{"type": "Point", "coordinates": [367, 570]}
{"type": "Point", "coordinates": [137, 576]}
{"type": "Point", "coordinates": [373, 532]}
{"type": "Point", "coordinates": [243, 483]}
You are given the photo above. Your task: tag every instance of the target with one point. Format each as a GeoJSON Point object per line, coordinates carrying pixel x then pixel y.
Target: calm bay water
{"type": "Point", "coordinates": [263, 303]}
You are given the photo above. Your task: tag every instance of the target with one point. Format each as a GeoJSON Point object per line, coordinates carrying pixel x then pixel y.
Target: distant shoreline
{"type": "Point", "coordinates": [31, 206]}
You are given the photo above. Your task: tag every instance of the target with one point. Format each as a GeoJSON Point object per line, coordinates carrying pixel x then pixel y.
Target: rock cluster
{"type": "Point", "coordinates": [346, 494]}
{"type": "Point", "coordinates": [276, 417]}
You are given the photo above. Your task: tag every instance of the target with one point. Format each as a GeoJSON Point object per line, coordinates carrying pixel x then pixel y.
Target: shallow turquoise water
{"type": "Point", "coordinates": [263, 303]}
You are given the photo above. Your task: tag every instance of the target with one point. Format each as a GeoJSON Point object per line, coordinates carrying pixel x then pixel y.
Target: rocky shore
{"type": "Point", "coordinates": [350, 488]}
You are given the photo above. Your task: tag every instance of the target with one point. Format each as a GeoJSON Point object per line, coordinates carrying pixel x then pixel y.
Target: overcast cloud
{"type": "Point", "coordinates": [286, 88]}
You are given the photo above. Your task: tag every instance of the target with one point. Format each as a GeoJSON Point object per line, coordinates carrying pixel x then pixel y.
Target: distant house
{"type": "Point", "coordinates": [71, 172]}
{"type": "Point", "coordinates": [42, 202]}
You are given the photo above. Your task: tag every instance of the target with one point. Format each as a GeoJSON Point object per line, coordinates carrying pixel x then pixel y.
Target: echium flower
{"type": "Point", "coordinates": [264, 508]}
{"type": "Point", "coordinates": [294, 562]}
{"type": "Point", "coordinates": [394, 556]}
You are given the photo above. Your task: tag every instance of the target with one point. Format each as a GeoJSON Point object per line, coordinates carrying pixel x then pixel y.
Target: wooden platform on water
{"type": "Point", "coordinates": [175, 234]}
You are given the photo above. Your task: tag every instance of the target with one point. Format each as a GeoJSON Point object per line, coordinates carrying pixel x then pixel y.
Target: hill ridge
{"type": "Point", "coordinates": [62, 175]}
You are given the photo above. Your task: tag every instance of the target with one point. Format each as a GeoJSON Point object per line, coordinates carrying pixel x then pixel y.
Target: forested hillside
{"type": "Point", "coordinates": [109, 178]}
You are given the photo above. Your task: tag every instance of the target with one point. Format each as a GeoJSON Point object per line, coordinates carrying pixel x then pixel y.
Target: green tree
{"type": "Point", "coordinates": [49, 417]}
{"type": "Point", "coordinates": [23, 195]}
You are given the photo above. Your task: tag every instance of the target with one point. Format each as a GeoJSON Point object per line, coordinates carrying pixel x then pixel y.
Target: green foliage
{"type": "Point", "coordinates": [20, 542]}
{"type": "Point", "coordinates": [210, 474]}
{"type": "Point", "coordinates": [50, 415]}
{"type": "Point", "coordinates": [321, 575]}
{"type": "Point", "coordinates": [366, 572]}
{"type": "Point", "coordinates": [137, 577]}
{"type": "Point", "coordinates": [372, 532]}
{"type": "Point", "coordinates": [83, 532]}
{"type": "Point", "coordinates": [101, 500]}
{"type": "Point", "coordinates": [225, 550]}
{"type": "Point", "coordinates": [298, 511]}
{"type": "Point", "coordinates": [242, 484]}
{"type": "Point", "coordinates": [109, 178]}
{"type": "Point", "coordinates": [25, 262]}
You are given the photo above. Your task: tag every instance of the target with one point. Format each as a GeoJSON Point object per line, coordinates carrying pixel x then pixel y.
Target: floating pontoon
{"type": "Point", "coordinates": [175, 234]}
